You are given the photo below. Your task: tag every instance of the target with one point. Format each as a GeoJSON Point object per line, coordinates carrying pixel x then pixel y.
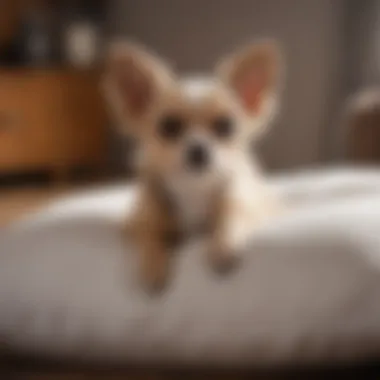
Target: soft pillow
{"type": "Point", "coordinates": [308, 289]}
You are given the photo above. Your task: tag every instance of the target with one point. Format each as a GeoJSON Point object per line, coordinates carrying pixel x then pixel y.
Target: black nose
{"type": "Point", "coordinates": [197, 156]}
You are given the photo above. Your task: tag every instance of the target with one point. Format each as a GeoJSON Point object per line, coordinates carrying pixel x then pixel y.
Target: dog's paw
{"type": "Point", "coordinates": [155, 286]}
{"type": "Point", "coordinates": [224, 261]}
{"type": "Point", "coordinates": [154, 281]}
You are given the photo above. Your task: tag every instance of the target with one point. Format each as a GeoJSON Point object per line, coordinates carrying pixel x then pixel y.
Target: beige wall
{"type": "Point", "coordinates": [194, 33]}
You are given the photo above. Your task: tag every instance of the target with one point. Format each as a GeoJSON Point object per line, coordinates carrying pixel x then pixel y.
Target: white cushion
{"type": "Point", "coordinates": [307, 291]}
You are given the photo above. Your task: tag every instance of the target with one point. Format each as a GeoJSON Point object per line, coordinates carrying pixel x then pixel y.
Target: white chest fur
{"type": "Point", "coordinates": [193, 198]}
{"type": "Point", "coordinates": [245, 190]}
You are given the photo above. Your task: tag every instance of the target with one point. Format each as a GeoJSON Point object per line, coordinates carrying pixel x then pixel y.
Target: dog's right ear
{"type": "Point", "coordinates": [132, 82]}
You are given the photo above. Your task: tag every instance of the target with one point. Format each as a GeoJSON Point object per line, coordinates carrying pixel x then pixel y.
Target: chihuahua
{"type": "Point", "coordinates": [197, 170]}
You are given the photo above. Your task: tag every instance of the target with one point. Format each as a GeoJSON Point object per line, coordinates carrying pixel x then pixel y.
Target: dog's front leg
{"type": "Point", "coordinates": [237, 214]}
{"type": "Point", "coordinates": [154, 261]}
{"type": "Point", "coordinates": [228, 234]}
{"type": "Point", "coordinates": [152, 225]}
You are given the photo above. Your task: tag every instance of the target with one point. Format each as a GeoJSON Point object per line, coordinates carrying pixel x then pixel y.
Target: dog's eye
{"type": "Point", "coordinates": [223, 127]}
{"type": "Point", "coordinates": [171, 127]}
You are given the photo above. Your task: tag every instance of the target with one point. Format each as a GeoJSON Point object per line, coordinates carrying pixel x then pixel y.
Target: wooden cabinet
{"type": "Point", "coordinates": [361, 127]}
{"type": "Point", "coordinates": [52, 119]}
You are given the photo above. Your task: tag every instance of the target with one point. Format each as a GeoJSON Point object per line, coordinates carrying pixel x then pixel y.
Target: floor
{"type": "Point", "coordinates": [18, 203]}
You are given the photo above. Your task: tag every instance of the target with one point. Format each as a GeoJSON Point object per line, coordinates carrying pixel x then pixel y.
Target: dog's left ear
{"type": "Point", "coordinates": [132, 83]}
{"type": "Point", "coordinates": [254, 74]}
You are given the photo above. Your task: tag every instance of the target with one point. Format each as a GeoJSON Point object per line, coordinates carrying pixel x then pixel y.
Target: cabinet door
{"type": "Point", "coordinates": [51, 118]}
{"type": "Point", "coordinates": [26, 137]}
{"type": "Point", "coordinates": [81, 118]}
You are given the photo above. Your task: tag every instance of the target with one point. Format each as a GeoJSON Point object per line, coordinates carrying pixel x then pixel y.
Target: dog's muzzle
{"type": "Point", "coordinates": [197, 157]}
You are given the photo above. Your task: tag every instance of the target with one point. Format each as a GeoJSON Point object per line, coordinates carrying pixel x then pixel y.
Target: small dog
{"type": "Point", "coordinates": [197, 170]}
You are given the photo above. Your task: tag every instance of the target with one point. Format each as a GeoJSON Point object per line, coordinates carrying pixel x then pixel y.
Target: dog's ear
{"type": "Point", "coordinates": [132, 81]}
{"type": "Point", "coordinates": [254, 75]}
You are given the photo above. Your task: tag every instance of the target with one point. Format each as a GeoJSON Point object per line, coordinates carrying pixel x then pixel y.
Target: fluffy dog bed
{"type": "Point", "coordinates": [308, 290]}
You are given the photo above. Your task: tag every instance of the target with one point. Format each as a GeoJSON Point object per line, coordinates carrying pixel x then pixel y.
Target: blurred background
{"type": "Point", "coordinates": [55, 134]}
{"type": "Point", "coordinates": [53, 125]}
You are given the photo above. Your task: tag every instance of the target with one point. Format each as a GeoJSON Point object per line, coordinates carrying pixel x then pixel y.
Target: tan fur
{"type": "Point", "coordinates": [151, 227]}
{"type": "Point", "coordinates": [141, 90]}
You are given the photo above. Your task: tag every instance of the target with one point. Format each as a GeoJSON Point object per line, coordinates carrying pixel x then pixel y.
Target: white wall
{"type": "Point", "coordinates": [194, 33]}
